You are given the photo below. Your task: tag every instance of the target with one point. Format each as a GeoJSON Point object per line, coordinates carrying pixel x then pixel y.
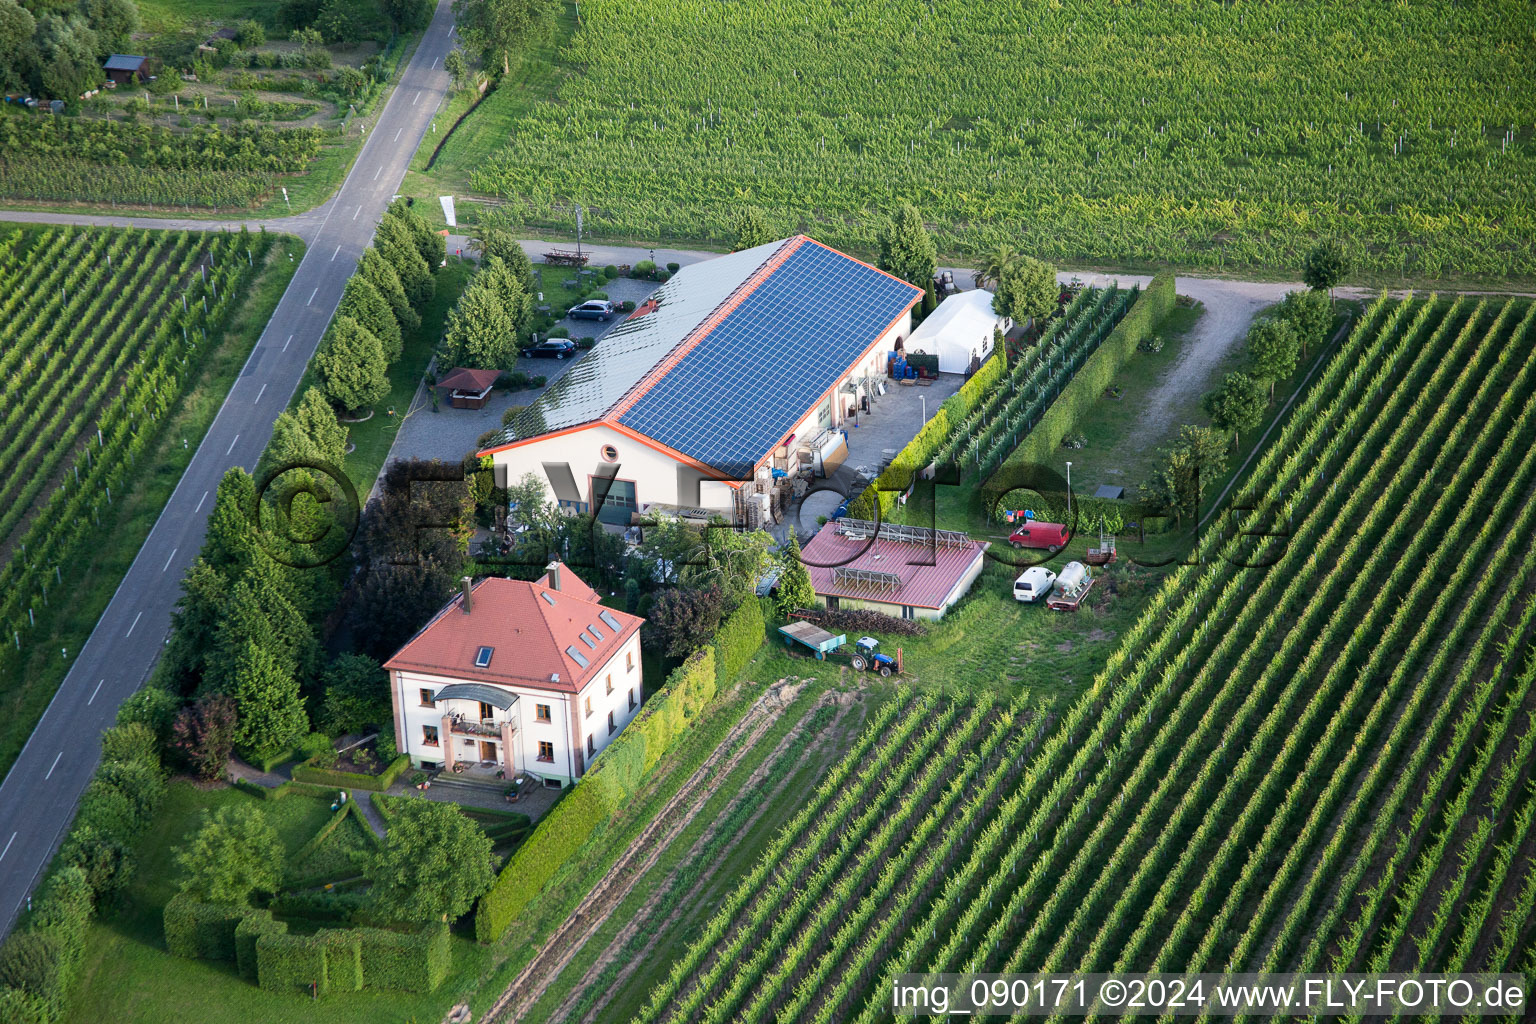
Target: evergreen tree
{"type": "Point", "coordinates": [317, 419]}
{"type": "Point", "coordinates": [906, 248]}
{"type": "Point", "coordinates": [503, 245]}
{"type": "Point", "coordinates": [195, 623]}
{"type": "Point", "coordinates": [230, 544]}
{"type": "Point", "coordinates": [356, 695]}
{"type": "Point", "coordinates": [481, 333]}
{"type": "Point", "coordinates": [364, 303]}
{"type": "Point", "coordinates": [267, 702]}
{"type": "Point", "coordinates": [511, 288]}
{"type": "Point", "coordinates": [351, 366]}
{"type": "Point", "coordinates": [751, 228]}
{"type": "Point", "coordinates": [795, 588]}
{"type": "Point", "coordinates": [378, 272]}
{"type": "Point", "coordinates": [431, 245]}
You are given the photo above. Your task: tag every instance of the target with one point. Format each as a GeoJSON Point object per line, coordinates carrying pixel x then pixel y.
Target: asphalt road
{"type": "Point", "coordinates": [39, 795]}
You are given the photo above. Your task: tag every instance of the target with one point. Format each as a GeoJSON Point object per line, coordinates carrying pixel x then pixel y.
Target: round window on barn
{"type": "Point", "coordinates": [610, 453]}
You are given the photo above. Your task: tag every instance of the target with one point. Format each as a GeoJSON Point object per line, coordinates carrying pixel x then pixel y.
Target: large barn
{"type": "Point", "coordinates": [741, 370]}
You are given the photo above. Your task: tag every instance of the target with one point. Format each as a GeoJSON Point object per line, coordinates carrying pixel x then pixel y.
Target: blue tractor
{"type": "Point", "coordinates": [866, 657]}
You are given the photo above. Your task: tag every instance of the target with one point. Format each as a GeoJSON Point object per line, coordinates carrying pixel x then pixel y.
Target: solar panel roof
{"type": "Point", "coordinates": [756, 373]}
{"type": "Point", "coordinates": [745, 373]}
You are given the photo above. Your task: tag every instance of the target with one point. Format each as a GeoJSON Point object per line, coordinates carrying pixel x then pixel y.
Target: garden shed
{"type": "Point", "coordinates": [468, 388]}
{"type": "Point", "coordinates": [958, 330]}
{"type": "Point", "coordinates": [124, 68]}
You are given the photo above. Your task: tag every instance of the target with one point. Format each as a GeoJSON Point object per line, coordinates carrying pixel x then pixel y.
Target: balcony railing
{"type": "Point", "coordinates": [471, 727]}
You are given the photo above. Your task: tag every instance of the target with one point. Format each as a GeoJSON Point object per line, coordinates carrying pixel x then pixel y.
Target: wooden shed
{"type": "Point", "coordinates": [124, 68]}
{"type": "Point", "coordinates": [468, 388]}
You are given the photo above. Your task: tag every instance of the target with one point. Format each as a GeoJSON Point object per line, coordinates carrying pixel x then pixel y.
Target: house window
{"type": "Point", "coordinates": [611, 727]}
{"type": "Point", "coordinates": [541, 713]}
{"type": "Point", "coordinates": [906, 611]}
{"type": "Point", "coordinates": [629, 661]}
{"type": "Point", "coordinates": [426, 698]}
{"type": "Point", "coordinates": [832, 603]}
{"type": "Point", "coordinates": [486, 712]}
{"type": "Point", "coordinates": [429, 735]}
{"type": "Point", "coordinates": [546, 751]}
{"type": "Point", "coordinates": [610, 453]}
{"type": "Point", "coordinates": [631, 698]}
{"type": "Point", "coordinates": [551, 783]}
{"type": "Point", "coordinates": [609, 682]}
{"type": "Point", "coordinates": [591, 746]}
{"type": "Point", "coordinates": [589, 705]}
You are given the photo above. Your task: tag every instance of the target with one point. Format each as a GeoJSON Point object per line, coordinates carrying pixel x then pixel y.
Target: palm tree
{"type": "Point", "coordinates": [993, 265]}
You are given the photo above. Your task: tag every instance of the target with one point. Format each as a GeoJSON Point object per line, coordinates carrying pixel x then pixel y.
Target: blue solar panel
{"type": "Point", "coordinates": [763, 367]}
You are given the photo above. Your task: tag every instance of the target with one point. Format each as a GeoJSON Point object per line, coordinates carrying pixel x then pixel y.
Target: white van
{"type": "Point", "coordinates": [1033, 584]}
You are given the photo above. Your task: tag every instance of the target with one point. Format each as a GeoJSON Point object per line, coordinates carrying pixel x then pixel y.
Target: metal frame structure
{"type": "Point", "coordinates": [902, 534]}
{"type": "Point", "coordinates": [866, 578]}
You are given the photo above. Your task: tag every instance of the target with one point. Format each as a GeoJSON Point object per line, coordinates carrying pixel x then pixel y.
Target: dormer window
{"type": "Point", "coordinates": [483, 656]}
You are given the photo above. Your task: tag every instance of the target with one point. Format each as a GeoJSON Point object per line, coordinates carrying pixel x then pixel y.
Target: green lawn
{"type": "Point", "coordinates": [97, 575]}
{"type": "Point", "coordinates": [130, 978]}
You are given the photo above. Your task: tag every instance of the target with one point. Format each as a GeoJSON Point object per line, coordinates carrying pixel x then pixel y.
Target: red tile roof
{"type": "Point", "coordinates": [529, 627]}
{"type": "Point", "coordinates": [465, 379]}
{"type": "Point", "coordinates": [922, 586]}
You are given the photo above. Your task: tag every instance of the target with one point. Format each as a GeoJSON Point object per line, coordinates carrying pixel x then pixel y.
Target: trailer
{"type": "Point", "coordinates": [564, 258]}
{"type": "Point", "coordinates": [1071, 587]}
{"type": "Point", "coordinates": [808, 634]}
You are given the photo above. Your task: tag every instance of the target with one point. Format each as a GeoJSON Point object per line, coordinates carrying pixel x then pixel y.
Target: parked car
{"type": "Point", "coordinates": [592, 309]}
{"type": "Point", "coordinates": [1036, 534]}
{"type": "Point", "coordinates": [1033, 584]}
{"type": "Point", "coordinates": [554, 348]}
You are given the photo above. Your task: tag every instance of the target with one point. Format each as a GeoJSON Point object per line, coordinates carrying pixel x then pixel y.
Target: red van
{"type": "Point", "coordinates": [1034, 534]}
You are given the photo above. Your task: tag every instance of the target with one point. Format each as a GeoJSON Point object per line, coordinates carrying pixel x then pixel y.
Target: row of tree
{"type": "Point", "coordinates": [56, 49]}
{"type": "Point", "coordinates": [494, 313]}
{"type": "Point", "coordinates": [382, 304]}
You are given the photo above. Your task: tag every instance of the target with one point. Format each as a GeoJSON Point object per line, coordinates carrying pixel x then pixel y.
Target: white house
{"type": "Point", "coordinates": [736, 367]}
{"type": "Point", "coordinates": [958, 330]}
{"type": "Point", "coordinates": [518, 677]}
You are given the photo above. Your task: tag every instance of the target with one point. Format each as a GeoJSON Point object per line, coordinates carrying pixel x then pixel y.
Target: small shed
{"type": "Point", "coordinates": [958, 330]}
{"type": "Point", "coordinates": [124, 68]}
{"type": "Point", "coordinates": [468, 388]}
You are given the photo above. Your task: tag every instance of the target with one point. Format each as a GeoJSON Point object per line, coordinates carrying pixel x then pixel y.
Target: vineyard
{"type": "Point", "coordinates": [1330, 772]}
{"type": "Point", "coordinates": [1194, 134]}
{"type": "Point", "coordinates": [99, 333]}
{"type": "Point", "coordinates": [93, 160]}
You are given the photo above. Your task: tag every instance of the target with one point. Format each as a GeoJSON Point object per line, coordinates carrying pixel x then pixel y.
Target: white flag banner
{"type": "Point", "coordinates": [447, 202]}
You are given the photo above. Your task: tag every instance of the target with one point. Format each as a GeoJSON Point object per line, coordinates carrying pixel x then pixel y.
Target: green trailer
{"type": "Point", "coordinates": [808, 634]}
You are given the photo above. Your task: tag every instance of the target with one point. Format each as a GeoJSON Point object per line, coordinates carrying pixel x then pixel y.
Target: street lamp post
{"type": "Point", "coordinates": [924, 400]}
{"type": "Point", "coordinates": [1069, 490]}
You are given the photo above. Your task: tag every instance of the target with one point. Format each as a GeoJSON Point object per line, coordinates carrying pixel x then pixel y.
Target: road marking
{"type": "Point", "coordinates": [356, 212]}
{"type": "Point", "coordinates": [8, 843]}
{"type": "Point", "coordinates": [335, 254]}
{"type": "Point", "coordinates": [312, 295]}
{"type": "Point", "coordinates": [397, 135]}
{"type": "Point", "coordinates": [434, 62]}
{"type": "Point", "coordinates": [53, 766]}
{"type": "Point", "coordinates": [418, 91]}
{"type": "Point", "coordinates": [260, 393]}
{"type": "Point", "coordinates": [136, 619]}
{"type": "Point", "coordinates": [231, 445]}
{"type": "Point", "coordinates": [168, 559]}
{"type": "Point", "coordinates": [200, 502]}
{"type": "Point", "coordinates": [96, 691]}
{"type": "Point", "coordinates": [376, 176]}
{"type": "Point", "coordinates": [287, 343]}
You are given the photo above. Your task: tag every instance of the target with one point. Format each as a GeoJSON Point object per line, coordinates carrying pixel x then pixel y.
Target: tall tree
{"type": "Point", "coordinates": [1026, 289]}
{"type": "Point", "coordinates": [906, 248]}
{"type": "Point", "coordinates": [406, 15]}
{"type": "Point", "coordinates": [317, 419]}
{"type": "Point", "coordinates": [1185, 470]}
{"type": "Point", "coordinates": [502, 244]}
{"type": "Point", "coordinates": [751, 228]}
{"type": "Point", "coordinates": [1274, 346]}
{"type": "Point", "coordinates": [496, 29]}
{"type": "Point", "coordinates": [351, 366]}
{"type": "Point", "coordinates": [1326, 264]}
{"type": "Point", "coordinates": [401, 252]}
{"type": "Point", "coordinates": [1237, 405]}
{"type": "Point", "coordinates": [379, 273]}
{"type": "Point", "coordinates": [795, 588]}
{"type": "Point", "coordinates": [363, 302]}
{"type": "Point", "coordinates": [195, 623]}
{"type": "Point", "coordinates": [230, 545]}
{"type": "Point", "coordinates": [66, 65]}
{"type": "Point", "coordinates": [429, 244]}
{"type": "Point", "coordinates": [457, 66]}
{"type": "Point", "coordinates": [267, 701]}
{"type": "Point", "coordinates": [204, 733]}
{"type": "Point", "coordinates": [434, 865]}
{"type": "Point", "coordinates": [356, 695]}
{"type": "Point", "coordinates": [1311, 313]}
{"type": "Point", "coordinates": [16, 28]}
{"type": "Point", "coordinates": [683, 619]}
{"type": "Point", "coordinates": [235, 854]}
{"type": "Point", "coordinates": [113, 21]}
{"type": "Point", "coordinates": [481, 331]}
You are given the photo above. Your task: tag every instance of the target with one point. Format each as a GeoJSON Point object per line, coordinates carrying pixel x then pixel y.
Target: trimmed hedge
{"type": "Point", "coordinates": [407, 962]}
{"type": "Point", "coordinates": [343, 958]}
{"type": "Point", "coordinates": [737, 640]}
{"type": "Point", "coordinates": [288, 963]}
{"type": "Point", "coordinates": [199, 930]}
{"type": "Point", "coordinates": [317, 776]}
{"type": "Point", "coordinates": [252, 927]}
{"type": "Point", "coordinates": [613, 778]}
{"type": "Point", "coordinates": [1042, 445]}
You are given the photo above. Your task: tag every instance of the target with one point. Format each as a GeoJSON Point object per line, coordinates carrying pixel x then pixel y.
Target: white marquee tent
{"type": "Point", "coordinates": [961, 326]}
